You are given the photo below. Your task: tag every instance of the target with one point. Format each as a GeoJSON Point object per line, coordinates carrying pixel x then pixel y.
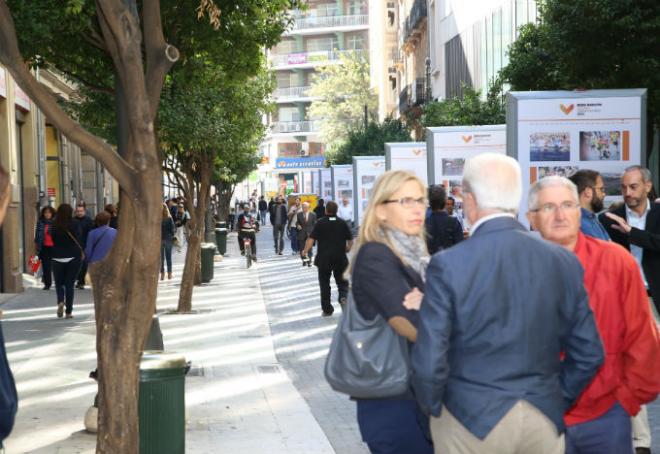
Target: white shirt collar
{"type": "Point", "coordinates": [488, 218]}
{"type": "Point", "coordinates": [632, 213]}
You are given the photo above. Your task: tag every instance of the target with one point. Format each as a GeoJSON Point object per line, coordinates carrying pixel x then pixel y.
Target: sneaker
{"type": "Point", "coordinates": [326, 314]}
{"type": "Point", "coordinates": [254, 258]}
{"type": "Point", "coordinates": [243, 253]}
{"type": "Point", "coordinates": [68, 316]}
{"type": "Point", "coordinates": [46, 287]}
{"type": "Point", "coordinates": [279, 253]}
{"type": "Point", "coordinates": [80, 287]}
{"type": "Point", "coordinates": [343, 301]}
{"type": "Point", "coordinates": [60, 310]}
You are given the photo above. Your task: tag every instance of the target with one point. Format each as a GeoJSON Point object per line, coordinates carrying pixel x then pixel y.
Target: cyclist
{"type": "Point", "coordinates": [247, 225]}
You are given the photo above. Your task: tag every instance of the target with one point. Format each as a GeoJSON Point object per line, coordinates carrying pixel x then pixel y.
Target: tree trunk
{"type": "Point", "coordinates": [224, 195]}
{"type": "Point", "coordinates": [192, 269]}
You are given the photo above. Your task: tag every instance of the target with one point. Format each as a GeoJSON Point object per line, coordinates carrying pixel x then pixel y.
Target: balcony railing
{"type": "Point", "coordinates": [304, 23]}
{"type": "Point", "coordinates": [305, 58]}
{"type": "Point", "coordinates": [417, 13]}
{"type": "Point", "coordinates": [420, 91]}
{"type": "Point", "coordinates": [292, 92]}
{"type": "Point", "coordinates": [280, 127]}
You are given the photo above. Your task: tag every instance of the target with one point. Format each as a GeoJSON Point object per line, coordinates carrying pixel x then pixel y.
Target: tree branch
{"type": "Point", "coordinates": [86, 83]}
{"type": "Point", "coordinates": [160, 55]}
{"type": "Point", "coordinates": [11, 58]}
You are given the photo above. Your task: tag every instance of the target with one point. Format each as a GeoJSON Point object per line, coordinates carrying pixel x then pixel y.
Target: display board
{"type": "Point", "coordinates": [315, 183]}
{"type": "Point", "coordinates": [325, 184]}
{"type": "Point", "coordinates": [366, 169]}
{"type": "Point", "coordinates": [407, 156]}
{"type": "Point", "coordinates": [560, 132]}
{"type": "Point", "coordinates": [342, 184]}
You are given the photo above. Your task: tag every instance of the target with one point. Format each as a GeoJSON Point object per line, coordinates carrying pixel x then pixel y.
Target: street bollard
{"type": "Point", "coordinates": [207, 251]}
{"type": "Point", "coordinates": [161, 405]}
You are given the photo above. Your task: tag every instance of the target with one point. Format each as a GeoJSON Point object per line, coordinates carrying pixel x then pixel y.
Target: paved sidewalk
{"type": "Point", "coordinates": [238, 398]}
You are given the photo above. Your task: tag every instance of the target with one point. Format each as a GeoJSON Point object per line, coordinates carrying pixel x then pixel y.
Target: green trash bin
{"type": "Point", "coordinates": [221, 240]}
{"type": "Point", "coordinates": [161, 406]}
{"type": "Point", "coordinates": [208, 251]}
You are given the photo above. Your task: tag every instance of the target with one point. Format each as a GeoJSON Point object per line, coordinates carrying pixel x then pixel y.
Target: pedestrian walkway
{"type": "Point", "coordinates": [238, 397]}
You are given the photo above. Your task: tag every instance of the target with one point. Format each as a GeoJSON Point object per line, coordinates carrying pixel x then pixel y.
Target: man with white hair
{"type": "Point", "coordinates": [600, 420]}
{"type": "Point", "coordinates": [499, 311]}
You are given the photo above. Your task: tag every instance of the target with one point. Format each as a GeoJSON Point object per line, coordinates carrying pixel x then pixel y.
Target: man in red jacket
{"type": "Point", "coordinates": [600, 420]}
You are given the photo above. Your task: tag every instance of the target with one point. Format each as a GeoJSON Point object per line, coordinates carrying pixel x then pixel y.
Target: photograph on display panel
{"type": "Point", "coordinates": [612, 182]}
{"type": "Point", "coordinates": [550, 146]}
{"type": "Point", "coordinates": [561, 171]}
{"type": "Point", "coordinates": [346, 193]}
{"type": "Point", "coordinates": [600, 145]}
{"type": "Point", "coordinates": [368, 179]}
{"type": "Point", "coordinates": [453, 167]}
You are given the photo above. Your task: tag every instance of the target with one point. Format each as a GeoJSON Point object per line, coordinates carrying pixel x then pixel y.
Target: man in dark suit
{"type": "Point", "coordinates": [499, 310]}
{"type": "Point", "coordinates": [442, 230]}
{"type": "Point", "coordinates": [305, 225]}
{"type": "Point", "coordinates": [635, 225]}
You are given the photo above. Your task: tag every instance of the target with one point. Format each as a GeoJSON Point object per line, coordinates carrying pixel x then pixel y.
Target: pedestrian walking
{"type": "Point", "coordinates": [114, 215]}
{"type": "Point", "coordinates": [180, 220]}
{"type": "Point", "coordinates": [263, 210]}
{"type": "Point", "coordinates": [591, 191]}
{"type": "Point", "coordinates": [635, 225]}
{"type": "Point", "coordinates": [68, 255]}
{"type": "Point", "coordinates": [43, 244]}
{"type": "Point", "coordinates": [278, 219]}
{"type": "Point", "coordinates": [387, 279]}
{"type": "Point", "coordinates": [293, 226]}
{"type": "Point", "coordinates": [306, 221]}
{"type": "Point", "coordinates": [600, 421]}
{"type": "Point", "coordinates": [334, 240]}
{"type": "Point", "coordinates": [319, 210]}
{"type": "Point", "coordinates": [100, 239]}
{"type": "Point", "coordinates": [271, 204]}
{"type": "Point", "coordinates": [345, 211]}
{"type": "Point", "coordinates": [442, 230]}
{"type": "Point", "coordinates": [167, 232]}
{"type": "Point", "coordinates": [506, 338]}
{"type": "Point", "coordinates": [86, 225]}
{"type": "Point", "coordinates": [8, 393]}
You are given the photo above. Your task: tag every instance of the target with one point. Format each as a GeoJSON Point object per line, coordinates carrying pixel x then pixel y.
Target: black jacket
{"type": "Point", "coordinates": [443, 231]}
{"type": "Point", "coordinates": [263, 205]}
{"type": "Point", "coordinates": [284, 218]}
{"type": "Point", "coordinates": [86, 225]}
{"type": "Point", "coordinates": [648, 239]}
{"type": "Point", "coordinates": [64, 244]}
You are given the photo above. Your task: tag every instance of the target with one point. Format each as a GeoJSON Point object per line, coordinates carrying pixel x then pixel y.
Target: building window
{"type": "Point", "coordinates": [322, 44]}
{"type": "Point", "coordinates": [288, 114]}
{"type": "Point", "coordinates": [356, 8]}
{"type": "Point", "coordinates": [355, 42]}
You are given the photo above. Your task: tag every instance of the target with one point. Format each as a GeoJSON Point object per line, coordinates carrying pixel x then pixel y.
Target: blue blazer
{"type": "Point", "coordinates": [498, 311]}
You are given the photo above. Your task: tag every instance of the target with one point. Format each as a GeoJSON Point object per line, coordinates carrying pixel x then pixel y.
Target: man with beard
{"type": "Point", "coordinates": [591, 190]}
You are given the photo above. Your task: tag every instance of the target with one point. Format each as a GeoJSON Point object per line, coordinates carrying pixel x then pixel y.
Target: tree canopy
{"type": "Point", "coordinates": [586, 44]}
{"type": "Point", "coordinates": [370, 141]}
{"type": "Point", "coordinates": [343, 90]}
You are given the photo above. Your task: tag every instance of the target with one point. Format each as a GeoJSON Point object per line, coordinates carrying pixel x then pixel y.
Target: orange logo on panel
{"type": "Point", "coordinates": [417, 152]}
{"type": "Point", "coordinates": [567, 109]}
{"type": "Point", "coordinates": [466, 139]}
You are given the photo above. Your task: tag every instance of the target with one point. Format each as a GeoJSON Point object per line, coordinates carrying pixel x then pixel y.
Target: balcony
{"type": "Point", "coordinates": [291, 93]}
{"type": "Point", "coordinates": [420, 91]}
{"type": "Point", "coordinates": [303, 23]}
{"type": "Point", "coordinates": [415, 19]}
{"type": "Point", "coordinates": [309, 59]}
{"type": "Point", "coordinates": [288, 127]}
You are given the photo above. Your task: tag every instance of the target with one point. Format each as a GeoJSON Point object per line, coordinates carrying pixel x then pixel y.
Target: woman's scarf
{"type": "Point", "coordinates": [412, 248]}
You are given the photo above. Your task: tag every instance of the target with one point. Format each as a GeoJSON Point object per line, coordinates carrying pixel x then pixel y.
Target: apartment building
{"type": "Point", "coordinates": [318, 36]}
{"type": "Point", "coordinates": [45, 169]}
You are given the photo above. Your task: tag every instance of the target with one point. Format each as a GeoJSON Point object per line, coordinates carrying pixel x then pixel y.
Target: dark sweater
{"type": "Point", "coordinates": [63, 245]}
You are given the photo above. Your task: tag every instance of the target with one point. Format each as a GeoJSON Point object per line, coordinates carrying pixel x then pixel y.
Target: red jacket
{"type": "Point", "coordinates": [631, 371]}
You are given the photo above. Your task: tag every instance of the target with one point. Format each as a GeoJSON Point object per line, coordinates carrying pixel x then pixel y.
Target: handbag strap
{"type": "Point", "coordinates": [68, 232]}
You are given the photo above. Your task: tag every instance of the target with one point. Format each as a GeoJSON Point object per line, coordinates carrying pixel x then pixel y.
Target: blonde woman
{"type": "Point", "coordinates": [387, 276]}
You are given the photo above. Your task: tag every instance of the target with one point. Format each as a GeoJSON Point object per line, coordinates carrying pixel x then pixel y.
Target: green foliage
{"type": "Point", "coordinates": [343, 91]}
{"type": "Point", "coordinates": [370, 142]}
{"type": "Point", "coordinates": [467, 110]}
{"type": "Point", "coordinates": [589, 44]}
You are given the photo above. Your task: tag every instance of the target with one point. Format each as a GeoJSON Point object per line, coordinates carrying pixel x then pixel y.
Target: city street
{"type": "Point", "coordinates": [257, 344]}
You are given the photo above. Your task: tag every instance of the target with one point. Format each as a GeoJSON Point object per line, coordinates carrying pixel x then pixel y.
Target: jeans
{"type": "Point", "coordinates": [65, 277]}
{"type": "Point", "coordinates": [82, 273]}
{"type": "Point", "coordinates": [610, 433]}
{"type": "Point", "coordinates": [278, 237]}
{"type": "Point", "coordinates": [253, 242]}
{"type": "Point", "coordinates": [262, 216]}
{"type": "Point", "coordinates": [166, 256]}
{"type": "Point", "coordinates": [45, 255]}
{"type": "Point", "coordinates": [324, 283]}
{"type": "Point", "coordinates": [293, 236]}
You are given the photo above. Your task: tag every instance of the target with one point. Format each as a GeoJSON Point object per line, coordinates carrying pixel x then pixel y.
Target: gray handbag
{"type": "Point", "coordinates": [367, 358]}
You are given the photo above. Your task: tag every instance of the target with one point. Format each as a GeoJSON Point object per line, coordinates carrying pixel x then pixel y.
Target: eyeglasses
{"type": "Point", "coordinates": [551, 208]}
{"type": "Point", "coordinates": [408, 202]}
